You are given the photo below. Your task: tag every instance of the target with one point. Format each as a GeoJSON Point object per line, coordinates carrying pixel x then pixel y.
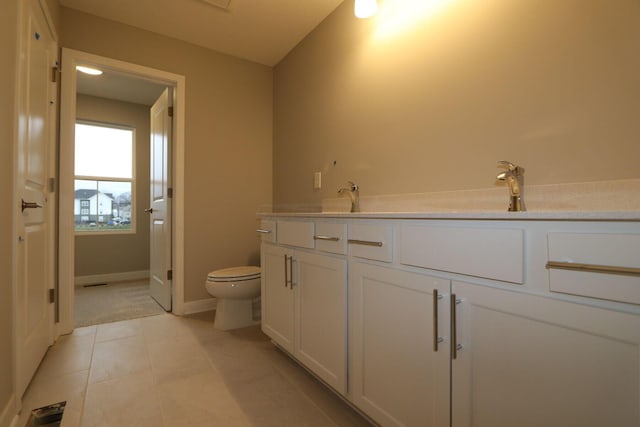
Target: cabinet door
{"type": "Point", "coordinates": [320, 285]}
{"type": "Point", "coordinates": [397, 377]}
{"type": "Point", "coordinates": [535, 361]}
{"type": "Point", "coordinates": [277, 295]}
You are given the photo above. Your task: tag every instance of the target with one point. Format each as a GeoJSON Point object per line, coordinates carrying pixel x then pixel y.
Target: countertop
{"type": "Point", "coordinates": [592, 201]}
{"type": "Point", "coordinates": [469, 215]}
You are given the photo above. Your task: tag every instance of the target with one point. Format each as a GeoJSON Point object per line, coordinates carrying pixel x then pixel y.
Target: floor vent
{"type": "Point", "coordinates": [94, 284]}
{"type": "Point", "coordinates": [47, 416]}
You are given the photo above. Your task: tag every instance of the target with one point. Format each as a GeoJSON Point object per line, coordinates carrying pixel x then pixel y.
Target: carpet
{"type": "Point", "coordinates": [113, 302]}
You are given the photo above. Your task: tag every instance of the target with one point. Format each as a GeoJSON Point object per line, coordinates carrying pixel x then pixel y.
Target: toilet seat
{"type": "Point", "coordinates": [234, 274]}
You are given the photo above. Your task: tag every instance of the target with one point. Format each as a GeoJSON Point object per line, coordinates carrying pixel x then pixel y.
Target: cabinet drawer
{"type": "Point", "coordinates": [267, 230]}
{"type": "Point", "coordinates": [602, 265]}
{"type": "Point", "coordinates": [493, 253]}
{"type": "Point", "coordinates": [371, 241]}
{"type": "Point", "coordinates": [296, 233]}
{"type": "Point", "coordinates": [331, 237]}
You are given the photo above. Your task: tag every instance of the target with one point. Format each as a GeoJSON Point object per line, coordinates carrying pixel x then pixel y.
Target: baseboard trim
{"type": "Point", "coordinates": [9, 417]}
{"type": "Point", "coordinates": [198, 306]}
{"type": "Point", "coordinates": [111, 277]}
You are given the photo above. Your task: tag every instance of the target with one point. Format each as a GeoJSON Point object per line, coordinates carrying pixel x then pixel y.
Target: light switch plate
{"type": "Point", "coordinates": [317, 180]}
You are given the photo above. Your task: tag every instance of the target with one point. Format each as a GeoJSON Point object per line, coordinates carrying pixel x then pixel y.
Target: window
{"type": "Point", "coordinates": [104, 178]}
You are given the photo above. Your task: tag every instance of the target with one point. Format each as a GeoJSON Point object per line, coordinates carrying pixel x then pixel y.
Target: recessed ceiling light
{"type": "Point", "coordinates": [88, 70]}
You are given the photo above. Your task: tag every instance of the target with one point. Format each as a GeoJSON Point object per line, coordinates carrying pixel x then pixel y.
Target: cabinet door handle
{"type": "Point", "coordinates": [286, 270]}
{"type": "Point", "coordinates": [454, 327]}
{"type": "Point", "coordinates": [328, 238]}
{"type": "Point", "coordinates": [291, 272]}
{"type": "Point", "coordinates": [436, 338]}
{"type": "Point", "coordinates": [364, 242]}
{"type": "Point", "coordinates": [263, 231]}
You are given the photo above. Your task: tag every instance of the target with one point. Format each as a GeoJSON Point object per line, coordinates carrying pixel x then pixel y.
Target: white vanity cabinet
{"type": "Point", "coordinates": [320, 289]}
{"type": "Point", "coordinates": [399, 345]}
{"type": "Point", "coordinates": [531, 361]}
{"type": "Point", "coordinates": [276, 296]}
{"type": "Point", "coordinates": [304, 301]}
{"type": "Point", "coordinates": [483, 323]}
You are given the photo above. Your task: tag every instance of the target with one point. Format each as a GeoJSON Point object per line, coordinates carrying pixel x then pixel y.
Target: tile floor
{"type": "Point", "coordinates": [179, 371]}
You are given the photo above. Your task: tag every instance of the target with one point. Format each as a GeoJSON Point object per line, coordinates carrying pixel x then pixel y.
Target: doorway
{"type": "Point", "coordinates": [76, 93]}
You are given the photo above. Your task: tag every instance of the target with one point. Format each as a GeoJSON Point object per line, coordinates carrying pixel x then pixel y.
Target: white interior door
{"type": "Point", "coordinates": [160, 209]}
{"type": "Point", "coordinates": [34, 151]}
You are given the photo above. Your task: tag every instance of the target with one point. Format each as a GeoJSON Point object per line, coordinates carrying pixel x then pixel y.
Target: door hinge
{"type": "Point", "coordinates": [170, 192]}
{"type": "Point", "coordinates": [52, 185]}
{"type": "Point", "coordinates": [170, 111]}
{"type": "Point", "coordinates": [52, 296]}
{"type": "Point", "coordinates": [169, 274]}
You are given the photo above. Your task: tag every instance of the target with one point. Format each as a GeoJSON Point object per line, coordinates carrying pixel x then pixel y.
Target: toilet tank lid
{"type": "Point", "coordinates": [245, 273]}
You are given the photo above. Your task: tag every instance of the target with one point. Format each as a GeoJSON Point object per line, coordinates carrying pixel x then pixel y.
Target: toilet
{"type": "Point", "coordinates": [234, 289]}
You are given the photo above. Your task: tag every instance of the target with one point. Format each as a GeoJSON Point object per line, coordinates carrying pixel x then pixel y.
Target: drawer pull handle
{"type": "Point", "coordinates": [328, 238]}
{"type": "Point", "coordinates": [263, 231]}
{"type": "Point", "coordinates": [593, 268]}
{"type": "Point", "coordinates": [364, 243]}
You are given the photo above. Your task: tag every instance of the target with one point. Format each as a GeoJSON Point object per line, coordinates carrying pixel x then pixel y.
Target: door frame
{"type": "Point", "coordinates": [66, 276]}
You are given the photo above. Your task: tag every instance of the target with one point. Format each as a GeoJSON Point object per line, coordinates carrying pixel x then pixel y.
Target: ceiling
{"type": "Point", "coordinates": [119, 86]}
{"type": "Point", "coordinates": [262, 31]}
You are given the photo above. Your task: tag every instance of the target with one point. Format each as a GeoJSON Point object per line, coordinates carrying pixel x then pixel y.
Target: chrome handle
{"type": "Point", "coordinates": [30, 205]}
{"type": "Point", "coordinates": [291, 272]}
{"type": "Point", "coordinates": [454, 328]}
{"type": "Point", "coordinates": [328, 238]}
{"type": "Point", "coordinates": [436, 338]}
{"type": "Point", "coordinates": [263, 231]}
{"type": "Point", "coordinates": [149, 210]}
{"type": "Point", "coordinates": [594, 268]}
{"type": "Point", "coordinates": [286, 271]}
{"type": "Point", "coordinates": [364, 242]}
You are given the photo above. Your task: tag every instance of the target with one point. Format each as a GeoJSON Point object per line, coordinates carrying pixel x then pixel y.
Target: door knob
{"type": "Point", "coordinates": [149, 210]}
{"type": "Point", "coordinates": [29, 205]}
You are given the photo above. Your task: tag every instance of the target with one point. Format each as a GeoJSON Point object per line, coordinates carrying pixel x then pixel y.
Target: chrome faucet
{"type": "Point", "coordinates": [354, 194]}
{"type": "Point", "coordinates": [514, 176]}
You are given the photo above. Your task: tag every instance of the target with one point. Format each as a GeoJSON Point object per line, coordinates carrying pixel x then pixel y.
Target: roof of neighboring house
{"type": "Point", "coordinates": [87, 194]}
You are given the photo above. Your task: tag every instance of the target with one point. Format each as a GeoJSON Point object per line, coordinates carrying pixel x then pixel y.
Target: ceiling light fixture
{"type": "Point", "coordinates": [88, 70]}
{"type": "Point", "coordinates": [365, 8]}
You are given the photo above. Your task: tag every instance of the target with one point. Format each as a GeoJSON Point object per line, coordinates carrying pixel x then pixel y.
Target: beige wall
{"type": "Point", "coordinates": [8, 45]}
{"type": "Point", "coordinates": [54, 11]}
{"type": "Point", "coordinates": [432, 103]}
{"type": "Point", "coordinates": [228, 138]}
{"type": "Point", "coordinates": [118, 253]}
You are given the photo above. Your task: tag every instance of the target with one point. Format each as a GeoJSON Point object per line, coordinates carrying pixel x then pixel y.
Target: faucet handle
{"type": "Point", "coordinates": [512, 168]}
{"type": "Point", "coordinates": [507, 164]}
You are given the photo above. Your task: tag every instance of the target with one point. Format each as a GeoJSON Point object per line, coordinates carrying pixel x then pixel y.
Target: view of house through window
{"type": "Point", "coordinates": [104, 178]}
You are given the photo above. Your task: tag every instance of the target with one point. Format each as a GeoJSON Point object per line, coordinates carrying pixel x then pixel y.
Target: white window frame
{"type": "Point", "coordinates": [132, 229]}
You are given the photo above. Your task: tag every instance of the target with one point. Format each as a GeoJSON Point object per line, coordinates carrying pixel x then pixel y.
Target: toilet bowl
{"type": "Point", "coordinates": [234, 289]}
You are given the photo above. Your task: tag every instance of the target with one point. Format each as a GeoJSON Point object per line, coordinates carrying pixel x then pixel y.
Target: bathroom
{"type": "Point", "coordinates": [428, 102]}
{"type": "Point", "coordinates": [483, 84]}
